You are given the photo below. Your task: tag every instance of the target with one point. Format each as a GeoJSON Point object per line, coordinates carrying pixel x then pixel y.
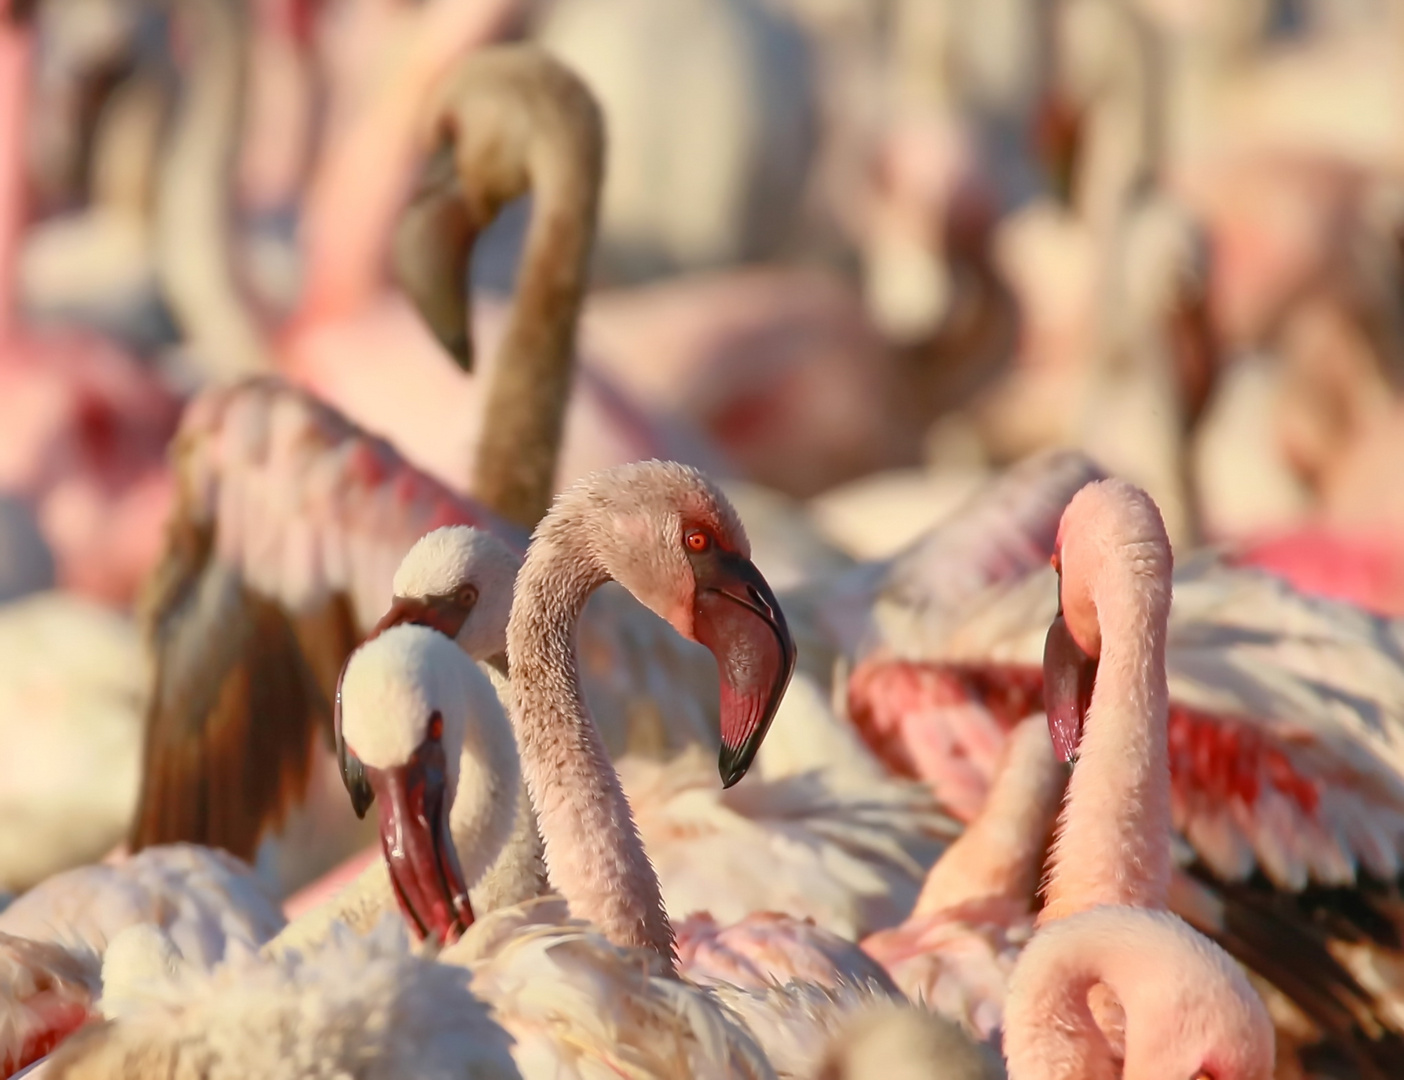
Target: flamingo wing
{"type": "Point", "coordinates": [288, 526]}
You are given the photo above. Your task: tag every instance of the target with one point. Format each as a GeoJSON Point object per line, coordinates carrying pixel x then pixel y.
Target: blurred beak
{"type": "Point", "coordinates": [419, 854]}
{"type": "Point", "coordinates": [738, 619]}
{"type": "Point", "coordinates": [1069, 675]}
{"type": "Point", "coordinates": [429, 256]}
{"type": "Point", "coordinates": [438, 613]}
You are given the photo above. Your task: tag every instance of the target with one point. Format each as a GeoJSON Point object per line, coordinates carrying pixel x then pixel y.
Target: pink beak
{"type": "Point", "coordinates": [738, 618]}
{"type": "Point", "coordinates": [1069, 675]}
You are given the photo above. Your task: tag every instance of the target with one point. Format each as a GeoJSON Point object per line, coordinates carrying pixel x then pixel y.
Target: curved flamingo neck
{"type": "Point", "coordinates": [16, 60]}
{"type": "Point", "coordinates": [358, 186]}
{"type": "Point", "coordinates": [1113, 846]}
{"type": "Point", "coordinates": [594, 855]}
{"type": "Point", "coordinates": [1051, 1023]}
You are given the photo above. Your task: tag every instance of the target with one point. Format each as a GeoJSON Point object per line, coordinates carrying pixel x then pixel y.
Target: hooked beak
{"type": "Point", "coordinates": [1068, 677]}
{"type": "Point", "coordinates": [429, 256]}
{"type": "Point", "coordinates": [419, 853]}
{"type": "Point", "coordinates": [441, 613]}
{"type": "Point", "coordinates": [738, 618]}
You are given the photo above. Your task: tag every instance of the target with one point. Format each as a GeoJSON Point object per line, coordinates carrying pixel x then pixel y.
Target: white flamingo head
{"type": "Point", "coordinates": [458, 580]}
{"type": "Point", "coordinates": [424, 738]}
{"type": "Point", "coordinates": [669, 536]}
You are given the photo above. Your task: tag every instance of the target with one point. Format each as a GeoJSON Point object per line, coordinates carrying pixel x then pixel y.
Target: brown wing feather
{"type": "Point", "coordinates": [288, 525]}
{"type": "Point", "coordinates": [237, 697]}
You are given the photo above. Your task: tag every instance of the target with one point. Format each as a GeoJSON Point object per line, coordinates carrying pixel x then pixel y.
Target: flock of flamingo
{"type": "Point", "coordinates": [389, 685]}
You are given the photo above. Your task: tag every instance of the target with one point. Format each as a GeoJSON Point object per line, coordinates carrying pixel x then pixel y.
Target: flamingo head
{"type": "Point", "coordinates": [672, 539]}
{"type": "Point", "coordinates": [1108, 524]}
{"type": "Point", "coordinates": [400, 724]}
{"type": "Point", "coordinates": [457, 580]}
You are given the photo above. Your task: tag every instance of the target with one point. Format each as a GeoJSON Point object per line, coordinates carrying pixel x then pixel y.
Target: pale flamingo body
{"type": "Point", "coordinates": [55, 935]}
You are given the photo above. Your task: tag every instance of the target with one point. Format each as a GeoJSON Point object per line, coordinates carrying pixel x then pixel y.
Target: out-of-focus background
{"type": "Point", "coordinates": [852, 257]}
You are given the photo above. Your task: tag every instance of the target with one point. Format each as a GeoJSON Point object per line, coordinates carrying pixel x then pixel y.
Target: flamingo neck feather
{"type": "Point", "coordinates": [594, 855]}
{"type": "Point", "coordinates": [1113, 844]}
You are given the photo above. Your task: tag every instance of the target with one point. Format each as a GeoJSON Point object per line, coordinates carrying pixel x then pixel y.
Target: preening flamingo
{"type": "Point", "coordinates": [1282, 727]}
{"type": "Point", "coordinates": [86, 424]}
{"type": "Point", "coordinates": [1112, 983]}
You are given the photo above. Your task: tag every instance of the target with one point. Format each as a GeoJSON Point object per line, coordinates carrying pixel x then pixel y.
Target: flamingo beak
{"type": "Point", "coordinates": [419, 852]}
{"type": "Point", "coordinates": [429, 256]}
{"type": "Point", "coordinates": [1069, 675]}
{"type": "Point", "coordinates": [738, 618]}
{"type": "Point", "coordinates": [442, 613]}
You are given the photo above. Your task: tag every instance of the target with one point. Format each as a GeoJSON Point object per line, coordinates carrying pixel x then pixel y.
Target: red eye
{"type": "Point", "coordinates": [436, 726]}
{"type": "Point", "coordinates": [697, 540]}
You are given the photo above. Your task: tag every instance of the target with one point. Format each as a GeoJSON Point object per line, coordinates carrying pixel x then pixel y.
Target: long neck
{"type": "Point", "coordinates": [16, 57]}
{"type": "Point", "coordinates": [1001, 854]}
{"type": "Point", "coordinates": [1113, 846]}
{"type": "Point", "coordinates": [594, 855]}
{"type": "Point", "coordinates": [194, 218]}
{"type": "Point", "coordinates": [515, 472]}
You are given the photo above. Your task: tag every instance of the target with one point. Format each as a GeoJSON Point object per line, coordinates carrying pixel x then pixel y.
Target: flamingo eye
{"type": "Point", "coordinates": [697, 540]}
{"type": "Point", "coordinates": [436, 725]}
{"type": "Point", "coordinates": [467, 595]}
{"type": "Point", "coordinates": [1056, 561]}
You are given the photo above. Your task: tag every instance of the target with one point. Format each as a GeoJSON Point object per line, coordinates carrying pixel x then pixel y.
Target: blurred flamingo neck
{"type": "Point", "coordinates": [594, 855]}
{"type": "Point", "coordinates": [526, 407]}
{"type": "Point", "coordinates": [16, 59]}
{"type": "Point", "coordinates": [1113, 846]}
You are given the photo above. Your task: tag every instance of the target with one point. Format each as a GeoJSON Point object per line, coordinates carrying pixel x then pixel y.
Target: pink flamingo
{"type": "Point", "coordinates": [86, 425]}
{"type": "Point", "coordinates": [1112, 984]}
{"type": "Point", "coordinates": [1262, 755]}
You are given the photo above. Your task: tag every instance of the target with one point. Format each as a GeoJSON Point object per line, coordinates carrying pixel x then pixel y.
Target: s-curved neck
{"type": "Point", "coordinates": [1051, 1029]}
{"type": "Point", "coordinates": [594, 854]}
{"type": "Point", "coordinates": [1113, 846]}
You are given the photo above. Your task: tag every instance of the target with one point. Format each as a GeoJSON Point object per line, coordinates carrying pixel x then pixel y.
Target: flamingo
{"type": "Point", "coordinates": [426, 733]}
{"type": "Point", "coordinates": [1264, 750]}
{"type": "Point", "coordinates": [345, 323]}
{"type": "Point", "coordinates": [1107, 952]}
{"type": "Point", "coordinates": [86, 424]}
{"type": "Point", "coordinates": [260, 464]}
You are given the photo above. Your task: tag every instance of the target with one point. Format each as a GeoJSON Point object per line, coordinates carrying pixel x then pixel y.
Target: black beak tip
{"type": "Point", "coordinates": [733, 763]}
{"type": "Point", "coordinates": [460, 347]}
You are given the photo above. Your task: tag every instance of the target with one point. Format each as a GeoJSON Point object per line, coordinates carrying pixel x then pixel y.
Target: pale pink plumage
{"type": "Point", "coordinates": [1111, 984]}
